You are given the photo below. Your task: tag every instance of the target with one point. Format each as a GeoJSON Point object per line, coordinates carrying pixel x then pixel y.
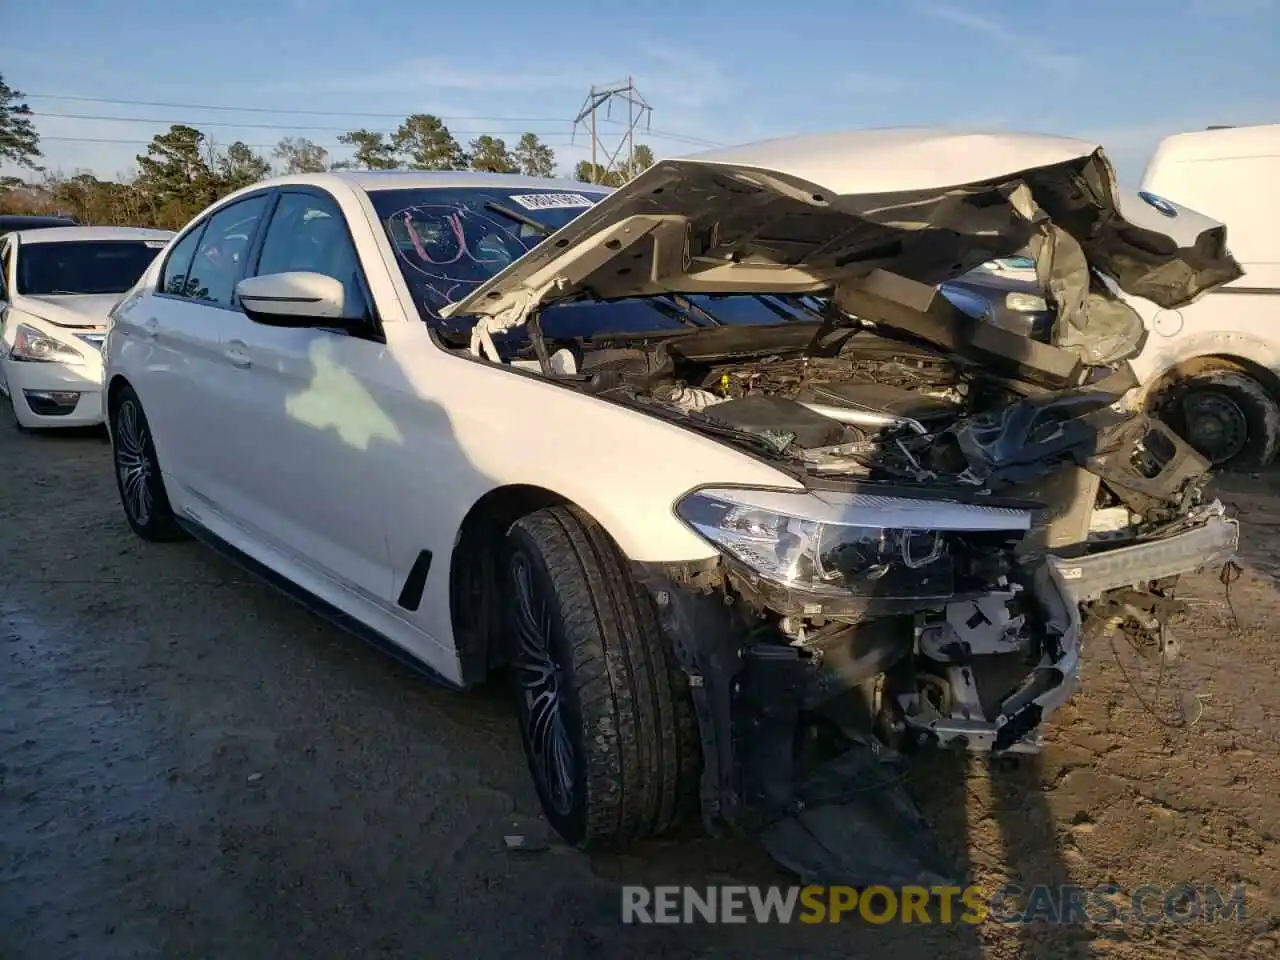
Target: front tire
{"type": "Point", "coordinates": [604, 710]}
{"type": "Point", "coordinates": [138, 478]}
{"type": "Point", "coordinates": [1227, 416]}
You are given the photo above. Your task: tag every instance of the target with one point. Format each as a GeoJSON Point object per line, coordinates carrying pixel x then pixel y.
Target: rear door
{"type": "Point", "coordinates": [182, 331]}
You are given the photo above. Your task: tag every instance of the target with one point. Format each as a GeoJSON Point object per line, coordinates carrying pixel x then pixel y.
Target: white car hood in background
{"type": "Point", "coordinates": [65, 310]}
{"type": "Point", "coordinates": [806, 214]}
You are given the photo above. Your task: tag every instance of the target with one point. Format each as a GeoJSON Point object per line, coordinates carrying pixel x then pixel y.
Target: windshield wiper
{"type": "Point", "coordinates": [665, 306]}
{"type": "Point", "coordinates": [684, 303]}
{"type": "Point", "coordinates": [519, 217]}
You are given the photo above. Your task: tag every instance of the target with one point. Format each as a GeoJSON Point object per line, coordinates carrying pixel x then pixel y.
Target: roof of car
{"type": "Point", "coordinates": [373, 180]}
{"type": "Point", "coordinates": [72, 234]}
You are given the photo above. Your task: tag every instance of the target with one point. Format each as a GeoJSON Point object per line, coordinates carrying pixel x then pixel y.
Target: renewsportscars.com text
{"type": "Point", "coordinates": [1010, 904]}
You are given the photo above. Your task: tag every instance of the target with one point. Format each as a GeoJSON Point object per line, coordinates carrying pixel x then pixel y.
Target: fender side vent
{"type": "Point", "coordinates": [411, 593]}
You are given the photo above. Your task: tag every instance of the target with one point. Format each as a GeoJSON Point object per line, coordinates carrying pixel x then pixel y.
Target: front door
{"type": "Point", "coordinates": [307, 437]}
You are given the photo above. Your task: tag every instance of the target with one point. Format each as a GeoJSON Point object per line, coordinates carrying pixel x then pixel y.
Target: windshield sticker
{"type": "Point", "coordinates": [552, 201]}
{"type": "Point", "coordinates": [155, 244]}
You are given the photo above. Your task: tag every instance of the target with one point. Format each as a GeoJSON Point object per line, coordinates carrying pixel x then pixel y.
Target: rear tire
{"type": "Point", "coordinates": [138, 477]}
{"type": "Point", "coordinates": [605, 712]}
{"type": "Point", "coordinates": [1226, 415]}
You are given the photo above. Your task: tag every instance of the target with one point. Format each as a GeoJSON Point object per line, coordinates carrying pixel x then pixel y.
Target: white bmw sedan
{"type": "Point", "coordinates": [57, 286]}
{"type": "Point", "coordinates": [745, 507]}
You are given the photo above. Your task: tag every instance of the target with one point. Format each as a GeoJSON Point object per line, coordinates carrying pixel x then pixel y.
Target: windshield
{"type": "Point", "coordinates": [450, 241]}
{"type": "Point", "coordinates": [83, 266]}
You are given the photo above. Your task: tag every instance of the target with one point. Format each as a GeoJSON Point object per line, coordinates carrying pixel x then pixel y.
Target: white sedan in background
{"type": "Point", "coordinates": [57, 286]}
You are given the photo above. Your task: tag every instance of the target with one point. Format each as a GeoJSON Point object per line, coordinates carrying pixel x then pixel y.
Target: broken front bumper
{"type": "Point", "coordinates": [753, 690]}
{"type": "Point", "coordinates": [846, 818]}
{"type": "Point", "coordinates": [1047, 687]}
{"type": "Point", "coordinates": [1209, 545]}
{"type": "Point", "coordinates": [849, 819]}
{"type": "Point", "coordinates": [1063, 588]}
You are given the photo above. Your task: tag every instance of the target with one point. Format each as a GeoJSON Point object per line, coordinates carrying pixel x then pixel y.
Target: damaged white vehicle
{"type": "Point", "coordinates": [747, 509]}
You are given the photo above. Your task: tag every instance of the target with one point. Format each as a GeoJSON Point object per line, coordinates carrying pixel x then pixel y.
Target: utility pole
{"type": "Point", "coordinates": [602, 97]}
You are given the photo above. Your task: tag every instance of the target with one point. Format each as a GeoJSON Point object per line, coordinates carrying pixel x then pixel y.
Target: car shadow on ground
{"type": "Point", "coordinates": [65, 434]}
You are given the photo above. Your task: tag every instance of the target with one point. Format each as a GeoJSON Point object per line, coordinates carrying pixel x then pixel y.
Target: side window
{"type": "Point", "coordinates": [309, 233]}
{"type": "Point", "coordinates": [222, 249]}
{"type": "Point", "coordinates": [173, 279]}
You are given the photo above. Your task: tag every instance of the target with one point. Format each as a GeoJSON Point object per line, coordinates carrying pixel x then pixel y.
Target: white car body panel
{"type": "Point", "coordinates": [391, 444]}
{"type": "Point", "coordinates": [16, 378]}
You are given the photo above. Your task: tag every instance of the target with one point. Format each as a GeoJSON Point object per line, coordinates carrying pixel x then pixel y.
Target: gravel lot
{"type": "Point", "coordinates": [190, 765]}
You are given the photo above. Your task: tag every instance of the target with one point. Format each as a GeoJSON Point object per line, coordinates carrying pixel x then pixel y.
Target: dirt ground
{"type": "Point", "coordinates": [192, 766]}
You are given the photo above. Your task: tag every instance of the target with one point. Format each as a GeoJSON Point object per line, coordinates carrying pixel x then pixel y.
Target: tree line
{"type": "Point", "coordinates": [183, 170]}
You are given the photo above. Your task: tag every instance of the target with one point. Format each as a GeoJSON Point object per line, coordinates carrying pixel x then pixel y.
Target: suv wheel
{"type": "Point", "coordinates": [1227, 416]}
{"type": "Point", "coordinates": [604, 710]}
{"type": "Point", "coordinates": [142, 494]}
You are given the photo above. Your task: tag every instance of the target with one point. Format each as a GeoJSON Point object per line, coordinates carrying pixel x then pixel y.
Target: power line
{"type": "Point", "coordinates": [281, 110]}
{"type": "Point", "coordinates": [266, 126]}
{"type": "Point", "coordinates": [658, 134]}
{"type": "Point", "coordinates": [252, 146]}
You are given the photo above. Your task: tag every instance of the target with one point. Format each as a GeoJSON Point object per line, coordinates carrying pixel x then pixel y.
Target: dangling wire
{"type": "Point", "coordinates": [1229, 574]}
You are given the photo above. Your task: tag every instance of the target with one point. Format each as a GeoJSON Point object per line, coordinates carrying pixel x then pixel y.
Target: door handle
{"type": "Point", "coordinates": [236, 354]}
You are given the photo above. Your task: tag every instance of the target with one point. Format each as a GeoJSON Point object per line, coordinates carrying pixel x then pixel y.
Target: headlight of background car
{"type": "Point", "coordinates": [1025, 303]}
{"type": "Point", "coordinates": [37, 346]}
{"type": "Point", "coordinates": [845, 543]}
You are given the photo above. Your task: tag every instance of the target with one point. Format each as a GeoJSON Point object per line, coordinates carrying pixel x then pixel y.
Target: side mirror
{"type": "Point", "coordinates": [295, 299]}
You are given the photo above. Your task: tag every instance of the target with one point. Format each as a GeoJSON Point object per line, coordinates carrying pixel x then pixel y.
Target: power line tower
{"type": "Point", "coordinates": [602, 97]}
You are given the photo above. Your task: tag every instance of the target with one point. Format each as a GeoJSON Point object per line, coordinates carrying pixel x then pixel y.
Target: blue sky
{"type": "Point", "coordinates": [1123, 72]}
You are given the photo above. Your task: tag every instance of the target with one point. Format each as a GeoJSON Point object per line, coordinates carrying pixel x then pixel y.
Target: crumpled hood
{"type": "Point", "coordinates": [808, 214]}
{"type": "Point", "coordinates": [85, 310]}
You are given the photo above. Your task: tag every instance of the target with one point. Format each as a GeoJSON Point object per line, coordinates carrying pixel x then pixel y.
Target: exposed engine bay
{"type": "Point", "coordinates": [955, 635]}
{"type": "Point", "coordinates": [933, 405]}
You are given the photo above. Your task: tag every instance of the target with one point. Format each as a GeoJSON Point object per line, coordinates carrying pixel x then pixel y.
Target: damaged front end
{"type": "Point", "coordinates": [812, 695]}
{"type": "Point", "coordinates": [974, 505]}
{"type": "Point", "coordinates": [972, 513]}
{"type": "Point", "coordinates": [848, 631]}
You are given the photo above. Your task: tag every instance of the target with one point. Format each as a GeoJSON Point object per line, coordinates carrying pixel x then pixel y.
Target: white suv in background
{"type": "Point", "coordinates": [612, 442]}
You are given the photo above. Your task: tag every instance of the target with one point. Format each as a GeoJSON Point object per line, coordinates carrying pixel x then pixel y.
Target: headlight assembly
{"type": "Point", "coordinates": [36, 346]}
{"type": "Point", "coordinates": [846, 544]}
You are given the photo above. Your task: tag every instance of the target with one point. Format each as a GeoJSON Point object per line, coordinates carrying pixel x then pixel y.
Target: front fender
{"type": "Point", "coordinates": [471, 429]}
{"type": "Point", "coordinates": [1222, 324]}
